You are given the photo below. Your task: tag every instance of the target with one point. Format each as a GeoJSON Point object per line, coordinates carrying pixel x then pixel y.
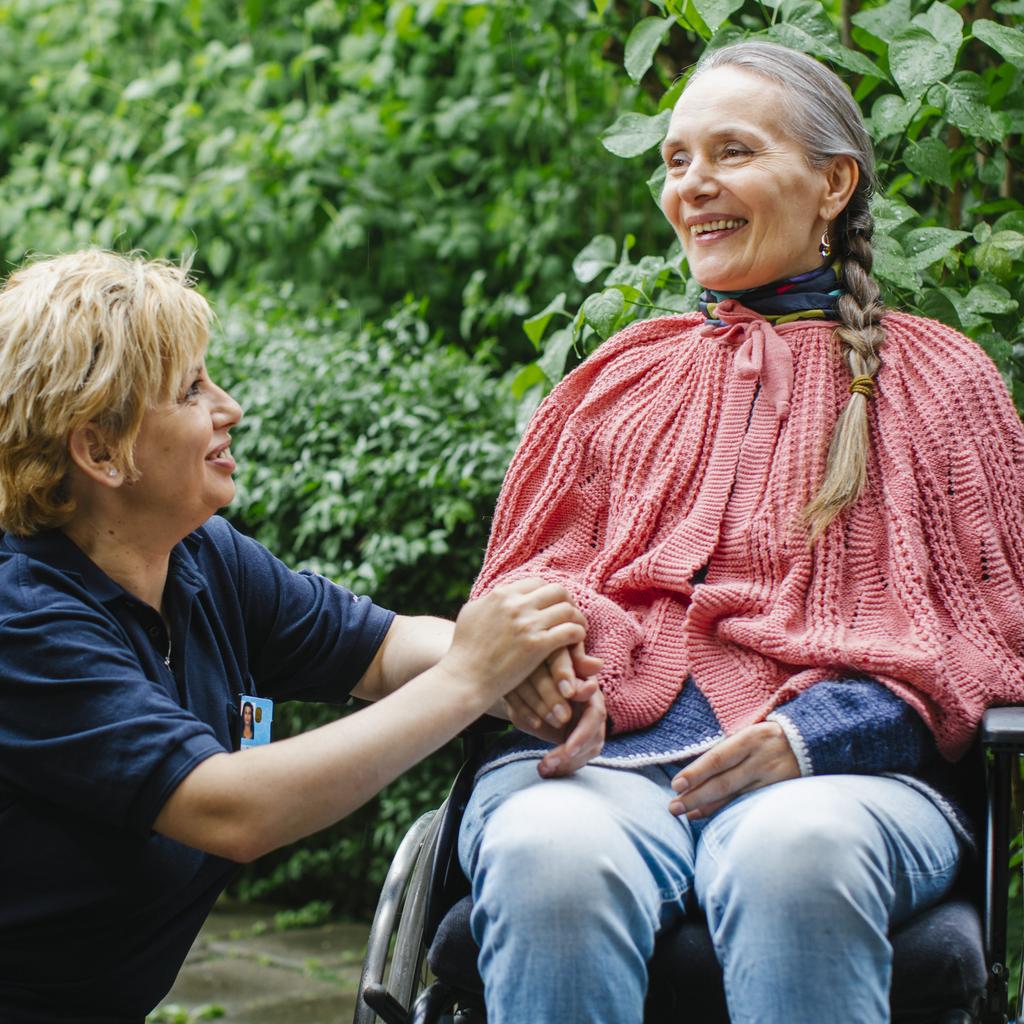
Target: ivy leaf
{"type": "Point", "coordinates": [556, 351]}
{"type": "Point", "coordinates": [926, 246]}
{"type": "Point", "coordinates": [1007, 42]}
{"type": "Point", "coordinates": [642, 44]}
{"type": "Point", "coordinates": [633, 134]}
{"type": "Point", "coordinates": [985, 297]}
{"type": "Point", "coordinates": [931, 159]}
{"type": "Point", "coordinates": [855, 61]}
{"type": "Point", "coordinates": [1014, 8]}
{"type": "Point", "coordinates": [945, 24]}
{"type": "Point", "coordinates": [967, 105]}
{"type": "Point", "coordinates": [602, 311]}
{"type": "Point", "coordinates": [538, 323]}
{"type": "Point", "coordinates": [890, 115]}
{"type": "Point", "coordinates": [597, 255]}
{"type": "Point", "coordinates": [714, 12]}
{"type": "Point", "coordinates": [917, 59]}
{"type": "Point", "coordinates": [884, 22]}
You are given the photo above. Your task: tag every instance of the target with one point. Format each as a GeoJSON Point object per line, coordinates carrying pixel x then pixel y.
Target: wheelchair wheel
{"type": "Point", "coordinates": [398, 928]}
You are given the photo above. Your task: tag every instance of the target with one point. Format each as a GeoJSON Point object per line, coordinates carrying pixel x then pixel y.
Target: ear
{"type": "Point", "coordinates": [841, 178]}
{"type": "Point", "coordinates": [90, 454]}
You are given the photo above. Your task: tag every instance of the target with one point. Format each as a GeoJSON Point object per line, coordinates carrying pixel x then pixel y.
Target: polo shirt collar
{"type": "Point", "coordinates": [56, 549]}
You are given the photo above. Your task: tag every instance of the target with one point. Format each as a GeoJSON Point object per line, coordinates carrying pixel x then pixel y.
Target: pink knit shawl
{"type": "Point", "coordinates": [675, 445]}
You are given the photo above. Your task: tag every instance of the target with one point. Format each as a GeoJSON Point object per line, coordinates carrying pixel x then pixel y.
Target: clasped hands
{"type": "Point", "coordinates": [561, 702]}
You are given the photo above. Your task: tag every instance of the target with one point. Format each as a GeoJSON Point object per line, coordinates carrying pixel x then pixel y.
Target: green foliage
{"type": "Point", "coordinates": [369, 453]}
{"type": "Point", "coordinates": [942, 93]}
{"type": "Point", "coordinates": [361, 151]}
{"type": "Point", "coordinates": [373, 454]}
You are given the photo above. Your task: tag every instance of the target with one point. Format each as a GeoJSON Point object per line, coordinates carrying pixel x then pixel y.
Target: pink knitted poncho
{"type": "Point", "coordinates": [676, 445]}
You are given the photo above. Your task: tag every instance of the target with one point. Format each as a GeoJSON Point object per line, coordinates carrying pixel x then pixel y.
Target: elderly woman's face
{"type": "Point", "coordinates": [747, 206]}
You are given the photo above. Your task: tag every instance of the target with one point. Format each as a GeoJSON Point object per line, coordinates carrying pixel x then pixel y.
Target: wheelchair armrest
{"type": "Point", "coordinates": [1003, 729]}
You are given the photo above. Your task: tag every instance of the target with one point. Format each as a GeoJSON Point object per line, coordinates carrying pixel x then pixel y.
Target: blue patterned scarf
{"type": "Point", "coordinates": [810, 296]}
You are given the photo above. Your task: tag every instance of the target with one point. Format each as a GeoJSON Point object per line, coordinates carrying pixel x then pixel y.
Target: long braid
{"type": "Point", "coordinates": [861, 333]}
{"type": "Point", "coordinates": [822, 115]}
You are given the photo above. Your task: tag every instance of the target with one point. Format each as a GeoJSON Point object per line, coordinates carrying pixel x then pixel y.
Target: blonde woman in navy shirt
{"type": "Point", "coordinates": [133, 626]}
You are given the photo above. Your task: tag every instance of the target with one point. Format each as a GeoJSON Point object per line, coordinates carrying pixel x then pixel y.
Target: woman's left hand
{"type": "Point", "coordinates": [749, 759]}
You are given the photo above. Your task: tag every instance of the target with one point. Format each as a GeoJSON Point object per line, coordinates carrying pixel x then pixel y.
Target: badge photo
{"type": "Point", "coordinates": [257, 714]}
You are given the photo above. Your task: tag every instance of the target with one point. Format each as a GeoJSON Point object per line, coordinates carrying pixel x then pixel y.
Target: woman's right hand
{"type": "Point", "coordinates": [502, 637]}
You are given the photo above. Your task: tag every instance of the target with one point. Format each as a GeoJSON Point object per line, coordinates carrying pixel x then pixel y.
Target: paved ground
{"type": "Point", "coordinates": [256, 973]}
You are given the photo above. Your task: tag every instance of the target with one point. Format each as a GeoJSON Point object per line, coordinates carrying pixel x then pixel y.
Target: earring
{"type": "Point", "coordinates": [111, 471]}
{"type": "Point", "coordinates": [825, 246]}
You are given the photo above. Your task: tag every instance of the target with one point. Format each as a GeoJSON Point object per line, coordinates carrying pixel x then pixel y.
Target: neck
{"type": "Point", "coordinates": [138, 565]}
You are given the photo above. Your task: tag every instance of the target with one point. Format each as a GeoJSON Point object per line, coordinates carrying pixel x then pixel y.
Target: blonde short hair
{"type": "Point", "coordinates": [89, 337]}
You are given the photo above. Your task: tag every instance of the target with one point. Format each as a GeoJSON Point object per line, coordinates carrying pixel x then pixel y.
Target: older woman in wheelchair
{"type": "Point", "coordinates": [795, 524]}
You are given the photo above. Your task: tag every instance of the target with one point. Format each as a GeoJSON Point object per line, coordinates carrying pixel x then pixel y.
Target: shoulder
{"type": "Point", "coordinates": [629, 354]}
{"type": "Point", "coordinates": [934, 348]}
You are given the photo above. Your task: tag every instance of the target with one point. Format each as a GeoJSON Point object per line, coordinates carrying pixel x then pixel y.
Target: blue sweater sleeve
{"type": "Point", "coordinates": [854, 726]}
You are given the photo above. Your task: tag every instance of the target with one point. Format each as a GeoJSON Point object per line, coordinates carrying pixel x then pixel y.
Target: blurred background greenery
{"type": "Point", "coordinates": [414, 215]}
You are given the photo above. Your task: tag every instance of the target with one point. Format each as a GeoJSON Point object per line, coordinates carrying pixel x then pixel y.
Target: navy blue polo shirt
{"type": "Point", "coordinates": [97, 911]}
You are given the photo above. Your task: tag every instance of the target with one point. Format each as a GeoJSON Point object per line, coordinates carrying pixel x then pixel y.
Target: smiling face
{"type": "Point", "coordinates": [183, 457]}
{"type": "Point", "coordinates": [739, 191]}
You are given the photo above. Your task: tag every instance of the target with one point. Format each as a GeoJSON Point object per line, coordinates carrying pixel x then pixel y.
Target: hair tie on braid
{"type": "Point", "coordinates": [863, 386]}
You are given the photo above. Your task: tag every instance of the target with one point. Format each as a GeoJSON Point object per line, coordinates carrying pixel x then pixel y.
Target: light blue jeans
{"type": "Point", "coordinates": [800, 881]}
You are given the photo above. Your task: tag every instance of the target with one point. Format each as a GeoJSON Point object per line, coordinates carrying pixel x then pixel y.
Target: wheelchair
{"type": "Point", "coordinates": [949, 963]}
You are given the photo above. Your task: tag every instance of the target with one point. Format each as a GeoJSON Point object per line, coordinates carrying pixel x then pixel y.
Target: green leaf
{"type": "Point", "coordinates": [1007, 42]}
{"type": "Point", "coordinates": [986, 297]}
{"type": "Point", "coordinates": [884, 22]}
{"type": "Point", "coordinates": [945, 24]}
{"type": "Point", "coordinates": [890, 115]}
{"type": "Point", "coordinates": [930, 159]}
{"type": "Point", "coordinates": [966, 104]}
{"type": "Point", "coordinates": [140, 89]}
{"type": "Point", "coordinates": [855, 61]}
{"type": "Point", "coordinates": [597, 255]}
{"type": "Point", "coordinates": [889, 213]}
{"type": "Point", "coordinates": [926, 246]}
{"type": "Point", "coordinates": [642, 44]}
{"type": "Point", "coordinates": [656, 182]}
{"type": "Point", "coordinates": [806, 26]}
{"type": "Point", "coordinates": [982, 231]}
{"type": "Point", "coordinates": [601, 6]}
{"type": "Point", "coordinates": [528, 377]}
{"type": "Point", "coordinates": [937, 305]}
{"type": "Point", "coordinates": [917, 60]}
{"type": "Point", "coordinates": [633, 134]}
{"type": "Point", "coordinates": [996, 254]}
{"type": "Point", "coordinates": [538, 323]}
{"type": "Point", "coordinates": [218, 256]}
{"type": "Point", "coordinates": [1013, 8]}
{"type": "Point", "coordinates": [714, 12]}
{"type": "Point", "coordinates": [891, 264]}
{"type": "Point", "coordinates": [602, 311]}
{"type": "Point", "coordinates": [556, 351]}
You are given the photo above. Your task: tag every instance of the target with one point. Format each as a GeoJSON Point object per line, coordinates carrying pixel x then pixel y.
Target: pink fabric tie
{"type": "Point", "coordinates": [762, 353]}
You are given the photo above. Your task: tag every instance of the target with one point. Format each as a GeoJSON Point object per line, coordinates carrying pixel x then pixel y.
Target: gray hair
{"type": "Point", "coordinates": [823, 117]}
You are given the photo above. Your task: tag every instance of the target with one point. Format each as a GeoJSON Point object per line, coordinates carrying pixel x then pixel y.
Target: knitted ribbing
{"type": "Point", "coordinates": [658, 453]}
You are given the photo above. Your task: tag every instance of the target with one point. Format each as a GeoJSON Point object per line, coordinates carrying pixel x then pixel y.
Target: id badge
{"type": "Point", "coordinates": [257, 713]}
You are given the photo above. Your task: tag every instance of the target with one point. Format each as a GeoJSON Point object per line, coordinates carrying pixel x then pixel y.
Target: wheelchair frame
{"type": "Point", "coordinates": [421, 884]}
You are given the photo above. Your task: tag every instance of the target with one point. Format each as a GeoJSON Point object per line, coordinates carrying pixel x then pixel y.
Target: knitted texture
{"type": "Point", "coordinates": [676, 445]}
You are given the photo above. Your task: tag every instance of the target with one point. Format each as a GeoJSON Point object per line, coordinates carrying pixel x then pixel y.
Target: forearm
{"type": "Point", "coordinates": [245, 804]}
{"type": "Point", "coordinates": [412, 645]}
